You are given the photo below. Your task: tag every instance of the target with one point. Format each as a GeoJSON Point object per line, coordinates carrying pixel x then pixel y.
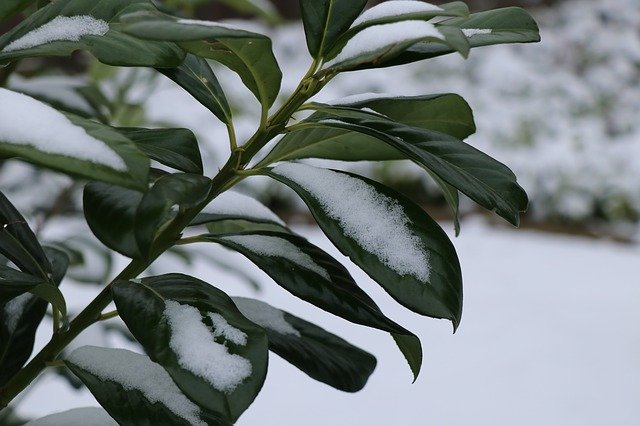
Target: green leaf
{"type": "Point", "coordinates": [165, 314]}
{"type": "Point", "coordinates": [412, 351]}
{"type": "Point", "coordinates": [507, 25]}
{"type": "Point", "coordinates": [323, 356]}
{"type": "Point", "coordinates": [113, 48]}
{"type": "Point", "coordinates": [197, 78]}
{"type": "Point", "coordinates": [110, 212]}
{"type": "Point", "coordinates": [248, 54]}
{"type": "Point", "coordinates": [19, 244]}
{"type": "Point", "coordinates": [8, 8]}
{"type": "Point", "coordinates": [14, 283]}
{"type": "Point", "coordinates": [134, 390]}
{"type": "Point", "coordinates": [308, 273]}
{"type": "Point", "coordinates": [164, 202]}
{"type": "Point", "coordinates": [175, 148]}
{"type": "Point", "coordinates": [484, 179]}
{"type": "Point", "coordinates": [234, 226]}
{"type": "Point", "coordinates": [446, 113]}
{"type": "Point", "coordinates": [326, 20]}
{"type": "Point", "coordinates": [392, 239]}
{"type": "Point", "coordinates": [262, 8]}
{"type": "Point", "coordinates": [39, 134]}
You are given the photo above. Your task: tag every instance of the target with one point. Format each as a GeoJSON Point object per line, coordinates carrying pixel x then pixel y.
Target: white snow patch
{"type": "Point", "coordinates": [87, 416]}
{"type": "Point", "coordinates": [208, 24]}
{"type": "Point", "coordinates": [380, 37]}
{"type": "Point", "coordinates": [137, 372]}
{"type": "Point", "coordinates": [378, 223]}
{"type": "Point", "coordinates": [26, 121]}
{"type": "Point", "coordinates": [198, 352]}
{"type": "Point", "coordinates": [265, 315]}
{"type": "Point", "coordinates": [396, 8]}
{"type": "Point", "coordinates": [54, 88]}
{"type": "Point", "coordinates": [267, 245]}
{"type": "Point", "coordinates": [223, 328]}
{"type": "Point", "coordinates": [470, 32]}
{"type": "Point", "coordinates": [14, 309]}
{"type": "Point", "coordinates": [61, 28]}
{"type": "Point", "coordinates": [233, 203]}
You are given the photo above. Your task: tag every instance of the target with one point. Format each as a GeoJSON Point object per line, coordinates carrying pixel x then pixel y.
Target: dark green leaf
{"type": "Point", "coordinates": [176, 148]}
{"type": "Point", "coordinates": [308, 273]}
{"type": "Point", "coordinates": [412, 351]}
{"type": "Point", "coordinates": [323, 356]}
{"type": "Point", "coordinates": [326, 20]}
{"type": "Point", "coordinates": [264, 8]}
{"type": "Point", "coordinates": [105, 155]}
{"type": "Point", "coordinates": [234, 226]}
{"type": "Point", "coordinates": [13, 283]}
{"type": "Point", "coordinates": [387, 235]}
{"type": "Point", "coordinates": [19, 244]}
{"type": "Point", "coordinates": [164, 202]}
{"type": "Point", "coordinates": [110, 212]}
{"type": "Point", "coordinates": [246, 53]}
{"type": "Point", "coordinates": [113, 48]}
{"type": "Point", "coordinates": [150, 309]}
{"type": "Point", "coordinates": [8, 8]}
{"type": "Point", "coordinates": [134, 390]}
{"type": "Point", "coordinates": [197, 78]}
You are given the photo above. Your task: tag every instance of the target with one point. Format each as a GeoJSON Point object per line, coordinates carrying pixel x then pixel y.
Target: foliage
{"type": "Point", "coordinates": [202, 346]}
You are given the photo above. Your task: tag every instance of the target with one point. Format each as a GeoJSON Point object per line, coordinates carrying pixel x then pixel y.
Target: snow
{"type": "Point", "coordinates": [222, 328]}
{"type": "Point", "coordinates": [233, 203]}
{"type": "Point", "coordinates": [385, 36]}
{"type": "Point", "coordinates": [137, 372]}
{"type": "Point", "coordinates": [89, 416]}
{"type": "Point", "coordinates": [395, 8]}
{"type": "Point", "coordinates": [208, 24]}
{"type": "Point", "coordinates": [26, 121]}
{"type": "Point", "coordinates": [194, 345]}
{"type": "Point", "coordinates": [360, 97]}
{"type": "Point", "coordinates": [14, 309]}
{"type": "Point", "coordinates": [376, 222]}
{"type": "Point", "coordinates": [265, 316]}
{"type": "Point", "coordinates": [270, 246]}
{"type": "Point", "coordinates": [470, 32]}
{"type": "Point", "coordinates": [60, 89]}
{"type": "Point", "coordinates": [61, 28]}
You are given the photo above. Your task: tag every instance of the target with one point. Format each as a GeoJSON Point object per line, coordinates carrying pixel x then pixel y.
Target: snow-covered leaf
{"type": "Point", "coordinates": [62, 27]}
{"type": "Point", "coordinates": [484, 179]}
{"type": "Point", "coordinates": [247, 53]}
{"type": "Point", "coordinates": [215, 355]}
{"type": "Point", "coordinates": [196, 77]}
{"type": "Point", "coordinates": [322, 355]}
{"type": "Point", "coordinates": [88, 416]}
{"type": "Point", "coordinates": [39, 134]}
{"type": "Point", "coordinates": [176, 148]}
{"type": "Point", "coordinates": [385, 234]}
{"type": "Point", "coordinates": [237, 206]}
{"type": "Point", "coordinates": [164, 203]}
{"type": "Point", "coordinates": [135, 390]}
{"type": "Point", "coordinates": [403, 10]}
{"type": "Point", "coordinates": [325, 21]}
{"type": "Point", "coordinates": [310, 274]}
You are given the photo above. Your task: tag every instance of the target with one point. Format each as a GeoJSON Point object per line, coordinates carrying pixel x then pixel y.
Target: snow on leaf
{"type": "Point", "coordinates": [208, 24]}
{"type": "Point", "coordinates": [470, 32]}
{"type": "Point", "coordinates": [394, 8]}
{"type": "Point", "coordinates": [198, 352]}
{"type": "Point", "coordinates": [61, 28]}
{"type": "Point", "coordinates": [233, 203]}
{"type": "Point", "coordinates": [265, 316]}
{"type": "Point", "coordinates": [14, 309]}
{"type": "Point", "coordinates": [376, 222]}
{"type": "Point", "coordinates": [223, 328]}
{"type": "Point", "coordinates": [26, 121]}
{"type": "Point", "coordinates": [379, 37]}
{"type": "Point", "coordinates": [134, 371]}
{"type": "Point", "coordinates": [271, 246]}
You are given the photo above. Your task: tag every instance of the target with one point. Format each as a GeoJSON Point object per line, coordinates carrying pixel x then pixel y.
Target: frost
{"type": "Point", "coordinates": [61, 28]}
{"type": "Point", "coordinates": [88, 416]}
{"type": "Point", "coordinates": [265, 316]}
{"type": "Point", "coordinates": [233, 203]}
{"type": "Point", "coordinates": [197, 351]}
{"type": "Point", "coordinates": [470, 32]}
{"type": "Point", "coordinates": [379, 37]}
{"type": "Point", "coordinates": [395, 8]}
{"type": "Point", "coordinates": [13, 310]}
{"type": "Point", "coordinates": [267, 245]}
{"type": "Point", "coordinates": [137, 372]}
{"type": "Point", "coordinates": [376, 222]}
{"type": "Point", "coordinates": [26, 121]}
{"type": "Point", "coordinates": [222, 328]}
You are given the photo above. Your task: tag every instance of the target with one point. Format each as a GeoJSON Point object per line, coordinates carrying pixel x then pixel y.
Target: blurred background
{"type": "Point", "coordinates": [551, 329]}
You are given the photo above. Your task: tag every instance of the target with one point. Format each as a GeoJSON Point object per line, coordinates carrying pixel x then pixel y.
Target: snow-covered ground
{"type": "Point", "coordinates": [550, 336]}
